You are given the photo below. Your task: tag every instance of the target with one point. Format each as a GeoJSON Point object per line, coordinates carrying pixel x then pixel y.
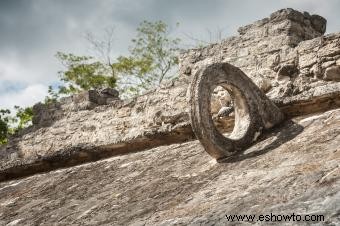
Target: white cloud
{"type": "Point", "coordinates": [24, 97]}
{"type": "Point", "coordinates": [28, 70]}
{"type": "Point", "coordinates": [10, 70]}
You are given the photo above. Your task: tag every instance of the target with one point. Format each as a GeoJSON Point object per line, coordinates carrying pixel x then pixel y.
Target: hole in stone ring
{"type": "Point", "coordinates": [252, 108]}
{"type": "Point", "coordinates": [229, 111]}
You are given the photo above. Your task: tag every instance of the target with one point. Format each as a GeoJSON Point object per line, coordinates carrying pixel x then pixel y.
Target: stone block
{"type": "Point", "coordinates": [332, 73]}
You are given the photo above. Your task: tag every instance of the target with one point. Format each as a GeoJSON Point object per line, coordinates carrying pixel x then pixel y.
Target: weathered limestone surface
{"type": "Point", "coordinates": [88, 134]}
{"type": "Point", "coordinates": [286, 55]}
{"type": "Point", "coordinates": [294, 169]}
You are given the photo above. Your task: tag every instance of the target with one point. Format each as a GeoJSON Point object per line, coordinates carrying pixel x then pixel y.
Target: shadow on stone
{"type": "Point", "coordinates": [285, 132]}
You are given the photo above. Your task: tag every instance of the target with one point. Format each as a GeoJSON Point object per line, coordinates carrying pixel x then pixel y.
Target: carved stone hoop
{"type": "Point", "coordinates": [253, 110]}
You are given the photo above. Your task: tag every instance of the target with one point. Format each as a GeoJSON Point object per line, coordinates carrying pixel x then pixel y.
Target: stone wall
{"type": "Point", "coordinates": [292, 170]}
{"type": "Point", "coordinates": [286, 55]}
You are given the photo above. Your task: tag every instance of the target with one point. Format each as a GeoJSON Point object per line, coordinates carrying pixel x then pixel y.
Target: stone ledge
{"type": "Point", "coordinates": [116, 127]}
{"type": "Point", "coordinates": [46, 114]}
{"type": "Point", "coordinates": [286, 22]}
{"type": "Point", "coordinates": [17, 162]}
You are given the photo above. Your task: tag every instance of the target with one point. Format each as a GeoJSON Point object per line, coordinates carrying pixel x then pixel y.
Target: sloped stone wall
{"type": "Point", "coordinates": [286, 55]}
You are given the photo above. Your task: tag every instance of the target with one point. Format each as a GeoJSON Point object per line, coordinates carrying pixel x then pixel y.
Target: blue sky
{"type": "Point", "coordinates": [32, 31]}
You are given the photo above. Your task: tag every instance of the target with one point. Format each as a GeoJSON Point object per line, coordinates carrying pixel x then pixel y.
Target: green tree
{"type": "Point", "coordinates": [23, 118]}
{"type": "Point", "coordinates": [52, 96]}
{"type": "Point", "coordinates": [10, 125]}
{"type": "Point", "coordinates": [152, 59]}
{"type": "Point", "coordinates": [4, 125]}
{"type": "Point", "coordinates": [83, 73]}
{"type": "Point", "coordinates": [134, 75]}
